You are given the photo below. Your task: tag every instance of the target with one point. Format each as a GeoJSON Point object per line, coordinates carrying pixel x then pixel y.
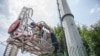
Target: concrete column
{"type": "Point", "coordinates": [73, 39]}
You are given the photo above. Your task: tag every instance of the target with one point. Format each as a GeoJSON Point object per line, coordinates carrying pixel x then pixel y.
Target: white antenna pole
{"type": "Point", "coordinates": [73, 39]}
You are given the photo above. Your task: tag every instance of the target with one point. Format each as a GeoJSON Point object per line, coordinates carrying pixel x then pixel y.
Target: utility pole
{"type": "Point", "coordinates": [73, 40]}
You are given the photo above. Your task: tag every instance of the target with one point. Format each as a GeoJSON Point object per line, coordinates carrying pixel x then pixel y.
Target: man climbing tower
{"type": "Point", "coordinates": [38, 31]}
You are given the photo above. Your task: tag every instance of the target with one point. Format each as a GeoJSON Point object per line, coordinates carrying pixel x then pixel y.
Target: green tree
{"type": "Point", "coordinates": [58, 33]}
{"type": "Point", "coordinates": [91, 38]}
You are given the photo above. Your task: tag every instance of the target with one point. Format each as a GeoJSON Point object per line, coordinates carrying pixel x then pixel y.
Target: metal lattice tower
{"type": "Point", "coordinates": [25, 40]}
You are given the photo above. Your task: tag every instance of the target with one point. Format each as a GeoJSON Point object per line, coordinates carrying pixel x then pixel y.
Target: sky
{"type": "Point", "coordinates": [86, 12]}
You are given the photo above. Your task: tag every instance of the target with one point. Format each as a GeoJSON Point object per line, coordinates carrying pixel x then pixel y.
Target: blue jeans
{"type": "Point", "coordinates": [54, 42]}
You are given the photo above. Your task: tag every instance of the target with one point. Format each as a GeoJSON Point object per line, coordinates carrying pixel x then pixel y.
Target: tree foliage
{"type": "Point", "coordinates": [58, 32]}
{"type": "Point", "coordinates": [91, 38]}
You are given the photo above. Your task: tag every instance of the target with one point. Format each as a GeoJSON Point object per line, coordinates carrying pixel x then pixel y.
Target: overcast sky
{"type": "Point", "coordinates": [85, 12]}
